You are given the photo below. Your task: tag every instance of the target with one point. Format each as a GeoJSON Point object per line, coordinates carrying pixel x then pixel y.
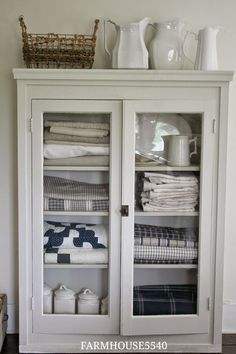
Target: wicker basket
{"type": "Point", "coordinates": [58, 50]}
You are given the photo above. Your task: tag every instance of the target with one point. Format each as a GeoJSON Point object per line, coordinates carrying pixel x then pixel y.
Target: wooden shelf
{"type": "Point", "coordinates": [139, 212]}
{"type": "Point", "coordinates": [154, 167]}
{"type": "Point", "coordinates": [76, 213]}
{"type": "Point", "coordinates": [165, 266]}
{"type": "Point", "coordinates": [71, 266]}
{"type": "Point", "coordinates": [76, 168]}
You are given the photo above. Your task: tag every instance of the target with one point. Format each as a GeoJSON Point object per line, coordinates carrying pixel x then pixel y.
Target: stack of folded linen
{"type": "Point", "coordinates": [76, 143]}
{"type": "Point", "coordinates": [156, 244]}
{"type": "Point", "coordinates": [165, 300]}
{"type": "Point", "coordinates": [68, 195]}
{"type": "Point", "coordinates": [75, 243]}
{"type": "Point", "coordinates": [164, 192]}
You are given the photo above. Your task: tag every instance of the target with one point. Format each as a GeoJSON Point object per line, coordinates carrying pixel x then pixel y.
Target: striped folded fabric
{"type": "Point", "coordinates": [54, 204]}
{"type": "Point", "coordinates": [61, 194]}
{"type": "Point", "coordinates": [164, 300]}
{"type": "Point", "coordinates": [62, 188]}
{"type": "Point", "coordinates": [151, 235]}
{"type": "Point", "coordinates": [165, 261]}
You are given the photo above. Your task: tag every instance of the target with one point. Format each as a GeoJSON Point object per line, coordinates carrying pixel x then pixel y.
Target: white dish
{"type": "Point", "coordinates": [150, 128]}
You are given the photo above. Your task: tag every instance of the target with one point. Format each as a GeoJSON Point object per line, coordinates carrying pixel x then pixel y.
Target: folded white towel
{"type": "Point", "coordinates": [79, 131]}
{"type": "Point", "coordinates": [57, 151]}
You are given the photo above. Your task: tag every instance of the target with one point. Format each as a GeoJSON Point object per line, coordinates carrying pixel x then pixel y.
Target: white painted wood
{"type": "Point", "coordinates": [153, 213]}
{"type": "Point", "coordinates": [198, 323]}
{"type": "Point", "coordinates": [165, 168]}
{"type": "Point", "coordinates": [74, 266]}
{"type": "Point", "coordinates": [60, 86]}
{"type": "Point", "coordinates": [76, 213]}
{"type": "Point", "coordinates": [120, 75]}
{"type": "Point", "coordinates": [76, 168]}
{"type": "Point", "coordinates": [166, 266]}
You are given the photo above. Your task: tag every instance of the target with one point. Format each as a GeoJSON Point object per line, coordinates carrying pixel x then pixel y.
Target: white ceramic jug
{"type": "Point", "coordinates": [166, 48]}
{"type": "Point", "coordinates": [206, 57]}
{"type": "Point", "coordinates": [130, 51]}
{"type": "Point", "coordinates": [179, 151]}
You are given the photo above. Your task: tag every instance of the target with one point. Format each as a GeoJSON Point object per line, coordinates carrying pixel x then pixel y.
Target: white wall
{"type": "Point", "coordinates": [76, 16]}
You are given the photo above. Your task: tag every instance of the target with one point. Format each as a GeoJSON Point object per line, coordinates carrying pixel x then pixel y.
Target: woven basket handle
{"type": "Point", "coordinates": [95, 29]}
{"type": "Point", "coordinates": [22, 24]}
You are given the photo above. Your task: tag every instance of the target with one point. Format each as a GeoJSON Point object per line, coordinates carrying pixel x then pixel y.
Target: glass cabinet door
{"type": "Point", "coordinates": [76, 216]}
{"type": "Point", "coordinates": [168, 166]}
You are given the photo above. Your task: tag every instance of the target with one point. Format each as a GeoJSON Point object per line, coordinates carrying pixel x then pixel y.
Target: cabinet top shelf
{"type": "Point", "coordinates": [122, 75]}
{"type": "Point", "coordinates": [152, 167]}
{"type": "Point", "coordinates": [139, 167]}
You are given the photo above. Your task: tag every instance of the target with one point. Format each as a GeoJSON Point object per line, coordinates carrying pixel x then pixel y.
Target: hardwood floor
{"type": "Point", "coordinates": [10, 345]}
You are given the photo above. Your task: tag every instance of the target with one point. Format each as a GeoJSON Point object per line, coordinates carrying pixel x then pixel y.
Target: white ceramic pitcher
{"type": "Point", "coordinates": [179, 151]}
{"type": "Point", "coordinates": [166, 48]}
{"type": "Point", "coordinates": [206, 57]}
{"type": "Point", "coordinates": [130, 51]}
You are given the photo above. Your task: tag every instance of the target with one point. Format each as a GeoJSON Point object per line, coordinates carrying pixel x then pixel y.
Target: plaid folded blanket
{"type": "Point", "coordinates": [151, 235]}
{"type": "Point", "coordinates": [54, 204]}
{"type": "Point", "coordinates": [62, 188]}
{"type": "Point", "coordinates": [165, 253]}
{"type": "Point", "coordinates": [164, 300]}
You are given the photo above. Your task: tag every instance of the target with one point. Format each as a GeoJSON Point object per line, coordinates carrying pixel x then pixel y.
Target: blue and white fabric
{"type": "Point", "coordinates": [152, 235]}
{"type": "Point", "coordinates": [76, 256]}
{"type": "Point", "coordinates": [164, 300]}
{"type": "Point", "coordinates": [74, 235]}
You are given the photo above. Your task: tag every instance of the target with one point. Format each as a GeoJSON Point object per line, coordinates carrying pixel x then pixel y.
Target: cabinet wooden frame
{"type": "Point", "coordinates": [123, 86]}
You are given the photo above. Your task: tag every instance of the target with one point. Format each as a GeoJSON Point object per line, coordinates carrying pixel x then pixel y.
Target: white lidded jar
{"type": "Point", "coordinates": [47, 298]}
{"type": "Point", "coordinates": [88, 302]}
{"type": "Point", "coordinates": [64, 300]}
{"type": "Point", "coordinates": [104, 306]}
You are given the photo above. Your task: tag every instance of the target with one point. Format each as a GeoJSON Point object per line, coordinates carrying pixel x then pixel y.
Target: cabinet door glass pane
{"type": "Point", "coordinates": [76, 213]}
{"type": "Point", "coordinates": [166, 224]}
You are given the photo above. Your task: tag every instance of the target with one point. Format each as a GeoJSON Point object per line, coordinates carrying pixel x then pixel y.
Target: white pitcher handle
{"type": "Point", "coordinates": [185, 37]}
{"type": "Point", "coordinates": [194, 152]}
{"type": "Point", "coordinates": [105, 35]}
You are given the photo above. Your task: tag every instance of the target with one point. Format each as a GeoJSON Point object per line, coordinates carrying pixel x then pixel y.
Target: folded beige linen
{"type": "Point", "coordinates": [57, 142]}
{"type": "Point", "coordinates": [73, 138]}
{"type": "Point", "coordinates": [83, 125]}
{"type": "Point", "coordinates": [80, 131]}
{"type": "Point", "coordinates": [91, 160]}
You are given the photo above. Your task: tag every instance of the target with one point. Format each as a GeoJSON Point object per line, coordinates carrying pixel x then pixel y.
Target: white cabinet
{"type": "Point", "coordinates": [106, 203]}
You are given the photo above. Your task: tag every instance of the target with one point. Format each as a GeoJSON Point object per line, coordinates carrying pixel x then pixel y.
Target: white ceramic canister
{"type": "Point", "coordinates": [104, 306]}
{"type": "Point", "coordinates": [47, 298]}
{"type": "Point", "coordinates": [64, 300]}
{"type": "Point", "coordinates": [88, 302]}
